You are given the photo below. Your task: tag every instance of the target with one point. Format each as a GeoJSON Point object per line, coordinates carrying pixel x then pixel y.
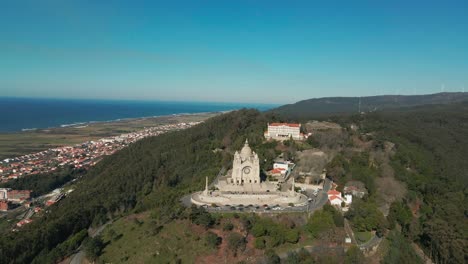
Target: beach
{"type": "Point", "coordinates": [24, 142]}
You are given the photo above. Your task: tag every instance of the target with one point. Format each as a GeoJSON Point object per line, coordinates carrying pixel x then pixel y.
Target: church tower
{"type": "Point", "coordinates": [246, 166]}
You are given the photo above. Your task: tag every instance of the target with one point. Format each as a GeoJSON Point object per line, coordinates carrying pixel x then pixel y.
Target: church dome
{"type": "Point", "coordinates": [246, 151]}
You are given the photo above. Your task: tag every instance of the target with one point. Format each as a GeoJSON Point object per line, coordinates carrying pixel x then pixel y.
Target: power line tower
{"type": "Point", "coordinates": [359, 105]}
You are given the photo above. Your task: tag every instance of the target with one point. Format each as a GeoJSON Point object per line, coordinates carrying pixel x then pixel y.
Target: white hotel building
{"type": "Point", "coordinates": [284, 131]}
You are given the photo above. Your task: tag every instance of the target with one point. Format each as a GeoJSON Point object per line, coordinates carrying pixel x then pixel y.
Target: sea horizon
{"type": "Point", "coordinates": [19, 114]}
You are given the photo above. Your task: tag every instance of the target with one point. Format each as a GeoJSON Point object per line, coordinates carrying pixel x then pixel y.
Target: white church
{"type": "Point", "coordinates": [243, 185]}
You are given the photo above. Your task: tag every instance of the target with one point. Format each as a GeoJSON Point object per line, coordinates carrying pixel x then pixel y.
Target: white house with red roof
{"type": "Point", "coordinates": [284, 131]}
{"type": "Point", "coordinates": [336, 198]}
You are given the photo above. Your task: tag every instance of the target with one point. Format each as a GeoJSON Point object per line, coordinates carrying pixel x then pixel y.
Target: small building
{"type": "Point", "coordinates": [18, 195]}
{"type": "Point", "coordinates": [281, 165]}
{"type": "Point", "coordinates": [355, 188]}
{"type": "Point", "coordinates": [4, 193]}
{"type": "Point", "coordinates": [278, 172]}
{"type": "Point", "coordinates": [284, 131]}
{"type": "Point", "coordinates": [3, 205]}
{"type": "Point", "coordinates": [23, 222]}
{"type": "Point", "coordinates": [335, 197]}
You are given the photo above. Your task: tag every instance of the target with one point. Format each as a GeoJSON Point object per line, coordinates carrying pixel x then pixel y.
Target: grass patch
{"type": "Point", "coordinates": [143, 241]}
{"type": "Point", "coordinates": [363, 237]}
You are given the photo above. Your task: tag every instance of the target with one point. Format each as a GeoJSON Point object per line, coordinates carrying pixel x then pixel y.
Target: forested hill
{"type": "Point", "coordinates": [431, 158]}
{"type": "Point", "coordinates": [153, 173]}
{"type": "Point", "coordinates": [350, 105]}
{"type": "Point", "coordinates": [431, 142]}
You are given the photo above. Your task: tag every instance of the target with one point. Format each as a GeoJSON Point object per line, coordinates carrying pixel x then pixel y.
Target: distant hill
{"type": "Point", "coordinates": [350, 105]}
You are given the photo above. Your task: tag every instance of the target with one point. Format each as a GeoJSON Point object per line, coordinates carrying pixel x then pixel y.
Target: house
{"type": "Point", "coordinates": [281, 165]}
{"type": "Point", "coordinates": [4, 193]}
{"type": "Point", "coordinates": [3, 205]}
{"type": "Point", "coordinates": [355, 188]}
{"type": "Point", "coordinates": [23, 222]}
{"type": "Point", "coordinates": [18, 195]}
{"type": "Point", "coordinates": [279, 172]}
{"type": "Point", "coordinates": [336, 198]}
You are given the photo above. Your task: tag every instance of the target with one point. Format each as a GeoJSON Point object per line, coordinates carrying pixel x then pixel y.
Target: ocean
{"type": "Point", "coordinates": [21, 114]}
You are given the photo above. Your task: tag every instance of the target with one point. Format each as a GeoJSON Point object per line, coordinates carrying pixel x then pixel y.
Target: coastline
{"type": "Point", "coordinates": [14, 144]}
{"type": "Point", "coordinates": [87, 123]}
{"type": "Point", "coordinates": [29, 114]}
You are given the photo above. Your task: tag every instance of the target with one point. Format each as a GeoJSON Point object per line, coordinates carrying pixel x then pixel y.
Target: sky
{"type": "Point", "coordinates": [231, 51]}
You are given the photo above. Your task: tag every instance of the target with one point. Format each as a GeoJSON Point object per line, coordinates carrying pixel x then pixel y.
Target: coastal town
{"type": "Point", "coordinates": [79, 156]}
{"type": "Point", "coordinates": [82, 155]}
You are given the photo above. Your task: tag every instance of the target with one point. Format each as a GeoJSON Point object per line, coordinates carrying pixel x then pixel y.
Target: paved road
{"type": "Point", "coordinates": [375, 240]}
{"type": "Point", "coordinates": [349, 231]}
{"type": "Point", "coordinates": [78, 257]}
{"type": "Point", "coordinates": [321, 199]}
{"type": "Point", "coordinates": [421, 254]}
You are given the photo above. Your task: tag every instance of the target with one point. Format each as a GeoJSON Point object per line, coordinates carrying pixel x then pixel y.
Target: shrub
{"type": "Point", "coordinates": [259, 243]}
{"type": "Point", "coordinates": [212, 240]}
{"type": "Point", "coordinates": [228, 226]}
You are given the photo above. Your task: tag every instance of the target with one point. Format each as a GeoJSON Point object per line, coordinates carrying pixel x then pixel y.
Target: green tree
{"type": "Point", "coordinates": [354, 256]}
{"type": "Point", "coordinates": [292, 236]}
{"type": "Point", "coordinates": [213, 240]}
{"type": "Point", "coordinates": [401, 214]}
{"type": "Point", "coordinates": [400, 250]}
{"type": "Point", "coordinates": [272, 257]}
{"type": "Point", "coordinates": [259, 243]}
{"type": "Point", "coordinates": [228, 226]}
{"type": "Point", "coordinates": [258, 229]}
{"type": "Point", "coordinates": [319, 222]}
{"type": "Point", "coordinates": [236, 242]}
{"type": "Point", "coordinates": [93, 247]}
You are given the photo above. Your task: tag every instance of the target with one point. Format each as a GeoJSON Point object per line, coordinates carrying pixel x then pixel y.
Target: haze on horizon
{"type": "Point", "coordinates": [242, 51]}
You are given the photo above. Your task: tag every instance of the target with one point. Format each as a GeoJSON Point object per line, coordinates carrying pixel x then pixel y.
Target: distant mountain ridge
{"type": "Point", "coordinates": [349, 105]}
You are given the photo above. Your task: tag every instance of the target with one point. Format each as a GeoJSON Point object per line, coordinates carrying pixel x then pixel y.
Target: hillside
{"type": "Point", "coordinates": [150, 174]}
{"type": "Point", "coordinates": [139, 188]}
{"type": "Point", "coordinates": [431, 148]}
{"type": "Point", "coordinates": [350, 105]}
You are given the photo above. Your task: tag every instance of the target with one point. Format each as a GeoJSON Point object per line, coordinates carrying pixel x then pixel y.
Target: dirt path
{"type": "Point", "coordinates": [421, 254]}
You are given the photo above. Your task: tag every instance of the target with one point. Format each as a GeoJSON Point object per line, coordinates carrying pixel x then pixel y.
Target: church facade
{"type": "Point", "coordinates": [246, 166]}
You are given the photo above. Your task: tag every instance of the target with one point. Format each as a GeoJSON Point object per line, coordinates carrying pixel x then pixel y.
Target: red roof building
{"type": "Point", "coordinates": [4, 206]}
{"type": "Point", "coordinates": [333, 192]}
{"type": "Point", "coordinates": [18, 195]}
{"type": "Point", "coordinates": [284, 131]}
{"type": "Point", "coordinates": [285, 124]}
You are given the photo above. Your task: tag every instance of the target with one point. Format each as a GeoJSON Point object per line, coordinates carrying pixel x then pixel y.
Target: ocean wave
{"type": "Point", "coordinates": [28, 129]}
{"type": "Point", "coordinates": [73, 124]}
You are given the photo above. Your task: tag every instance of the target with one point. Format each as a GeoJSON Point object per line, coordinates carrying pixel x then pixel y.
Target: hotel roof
{"type": "Point", "coordinates": [285, 124]}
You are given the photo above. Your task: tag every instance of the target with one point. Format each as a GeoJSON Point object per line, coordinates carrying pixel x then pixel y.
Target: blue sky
{"type": "Point", "coordinates": [231, 51]}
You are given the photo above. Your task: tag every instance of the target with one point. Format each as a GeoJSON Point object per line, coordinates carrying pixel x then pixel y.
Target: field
{"type": "Point", "coordinates": [20, 143]}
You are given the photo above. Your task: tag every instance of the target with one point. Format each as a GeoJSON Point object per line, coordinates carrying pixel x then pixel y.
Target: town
{"type": "Point", "coordinates": [79, 156]}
